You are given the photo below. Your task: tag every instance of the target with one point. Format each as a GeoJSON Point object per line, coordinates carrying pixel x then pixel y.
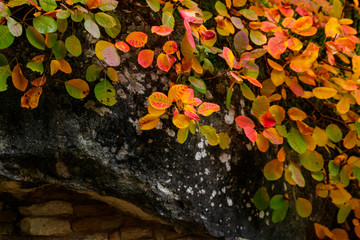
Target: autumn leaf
{"type": "Point", "coordinates": [145, 57]}
{"type": "Point", "coordinates": [77, 88]}
{"type": "Point", "coordinates": [159, 100]}
{"type": "Point", "coordinates": [31, 98]}
{"type": "Point", "coordinates": [18, 79]}
{"type": "Point", "coordinates": [206, 109]}
{"type": "Point", "coordinates": [137, 39]}
{"type": "Point", "coordinates": [149, 121]}
{"type": "Point", "coordinates": [162, 30]}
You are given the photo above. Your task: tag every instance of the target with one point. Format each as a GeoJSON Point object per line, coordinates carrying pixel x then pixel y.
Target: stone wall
{"type": "Point", "coordinates": [50, 212]}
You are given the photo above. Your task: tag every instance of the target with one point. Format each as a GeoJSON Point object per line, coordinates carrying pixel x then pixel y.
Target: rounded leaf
{"type": "Point", "coordinates": [45, 24]}
{"type": "Point", "coordinates": [261, 199]}
{"type": "Point", "coordinates": [333, 132]}
{"type": "Point", "coordinates": [303, 207]}
{"type": "Point", "coordinates": [145, 57]}
{"type": "Point", "coordinates": [6, 38]}
{"type": "Point", "coordinates": [77, 88]}
{"type": "Point", "coordinates": [137, 39]}
{"type": "Point", "coordinates": [149, 121]}
{"type": "Point", "coordinates": [73, 45]}
{"type": "Point", "coordinates": [159, 100]}
{"type": "Point", "coordinates": [273, 170]}
{"type": "Point", "coordinates": [324, 92]}
{"type": "Point", "coordinates": [312, 161]}
{"type": "Point", "coordinates": [111, 57]}
{"type": "Point", "coordinates": [105, 93]}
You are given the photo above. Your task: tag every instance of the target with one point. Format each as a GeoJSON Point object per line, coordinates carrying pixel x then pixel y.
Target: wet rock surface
{"type": "Point", "coordinates": [83, 145]}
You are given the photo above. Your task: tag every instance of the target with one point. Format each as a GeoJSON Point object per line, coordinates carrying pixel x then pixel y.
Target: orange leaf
{"type": "Point", "coordinates": [121, 45]}
{"type": "Point", "coordinates": [273, 136]}
{"type": "Point", "coordinates": [350, 140]}
{"type": "Point", "coordinates": [164, 61]}
{"type": "Point", "coordinates": [64, 66]}
{"type": "Point", "coordinates": [273, 170]}
{"type": "Point", "coordinates": [207, 109]}
{"type": "Point", "coordinates": [343, 106]}
{"type": "Point", "coordinates": [339, 234]}
{"type": "Point", "coordinates": [296, 114]}
{"type": "Point", "coordinates": [170, 47]}
{"type": "Point", "coordinates": [31, 98]}
{"type": "Point", "coordinates": [281, 155]}
{"type": "Point", "coordinates": [39, 58]}
{"type": "Point", "coordinates": [145, 57]}
{"type": "Point", "coordinates": [332, 27]}
{"type": "Point", "coordinates": [149, 121]}
{"type": "Point", "coordinates": [39, 81]}
{"type": "Point", "coordinates": [250, 133]}
{"type": "Point", "coordinates": [176, 92]}
{"type": "Point", "coordinates": [277, 46]}
{"type": "Point", "coordinates": [277, 77]}
{"type": "Point", "coordinates": [262, 143]}
{"type": "Point", "coordinates": [303, 62]}
{"type": "Point", "coordinates": [137, 39]}
{"type": "Point", "coordinates": [181, 121]}
{"type": "Point", "coordinates": [155, 111]}
{"type": "Point", "coordinates": [18, 79]}
{"type": "Point", "coordinates": [162, 30]}
{"type": "Point", "coordinates": [356, 65]}
{"type": "Point", "coordinates": [322, 231]}
{"type": "Point", "coordinates": [253, 81]}
{"type": "Point", "coordinates": [275, 65]}
{"type": "Point", "coordinates": [92, 4]}
{"type": "Point", "coordinates": [159, 100]}
{"type": "Point", "coordinates": [229, 57]}
{"type": "Point", "coordinates": [324, 92]}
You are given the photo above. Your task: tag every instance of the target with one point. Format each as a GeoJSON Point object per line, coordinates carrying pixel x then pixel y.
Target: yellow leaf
{"type": "Point", "coordinates": [155, 111]}
{"type": "Point", "coordinates": [277, 77]}
{"type": "Point", "coordinates": [296, 114]}
{"type": "Point", "coordinates": [343, 106]}
{"type": "Point", "coordinates": [275, 65]}
{"type": "Point", "coordinates": [350, 140]}
{"type": "Point", "coordinates": [99, 48]}
{"type": "Point", "coordinates": [77, 88]}
{"type": "Point", "coordinates": [273, 170]}
{"type": "Point", "coordinates": [303, 207]}
{"type": "Point", "coordinates": [310, 142]}
{"type": "Point", "coordinates": [181, 121]}
{"type": "Point", "coordinates": [356, 65]}
{"type": "Point", "coordinates": [54, 66]}
{"type": "Point", "coordinates": [149, 121]}
{"type": "Point", "coordinates": [18, 79]}
{"type": "Point", "coordinates": [176, 92]}
{"type": "Point", "coordinates": [332, 27]}
{"type": "Point", "coordinates": [324, 92]}
{"type": "Point", "coordinates": [321, 190]}
{"type": "Point", "coordinates": [339, 195]}
{"type": "Point", "coordinates": [320, 137]}
{"type": "Point", "coordinates": [31, 98]}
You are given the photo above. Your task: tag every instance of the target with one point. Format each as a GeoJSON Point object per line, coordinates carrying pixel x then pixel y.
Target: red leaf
{"type": "Point", "coordinates": [137, 39]}
{"type": "Point", "coordinates": [145, 57]}
{"type": "Point", "coordinates": [250, 133]}
{"type": "Point", "coordinates": [121, 45]}
{"type": "Point", "coordinates": [244, 122]}
{"type": "Point", "coordinates": [267, 120]}
{"type": "Point", "coordinates": [162, 30]}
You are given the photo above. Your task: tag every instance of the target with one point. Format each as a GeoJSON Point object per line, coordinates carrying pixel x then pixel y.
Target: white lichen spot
{"type": "Point", "coordinates": [267, 214]}
{"type": "Point", "coordinates": [198, 156]}
{"type": "Point", "coordinates": [248, 205]}
{"type": "Point", "coordinates": [207, 171]}
{"type": "Point", "coordinates": [243, 191]}
{"type": "Point", "coordinates": [261, 214]}
{"type": "Point", "coordinates": [202, 191]}
{"type": "Point", "coordinates": [212, 204]}
{"type": "Point", "coordinates": [249, 218]}
{"type": "Point", "coordinates": [225, 158]}
{"type": "Point", "coordinates": [190, 191]}
{"type": "Point", "coordinates": [229, 118]}
{"type": "Point", "coordinates": [203, 154]}
{"type": "Point", "coordinates": [201, 179]}
{"type": "Point", "coordinates": [159, 125]}
{"type": "Point", "coordinates": [136, 125]}
{"type": "Point", "coordinates": [229, 201]}
{"type": "Point", "coordinates": [201, 144]}
{"type": "Point", "coordinates": [285, 187]}
{"type": "Point", "coordinates": [267, 222]}
{"type": "Point", "coordinates": [213, 194]}
{"type": "Point", "coordinates": [164, 189]}
{"type": "Point", "coordinates": [223, 190]}
{"type": "Point", "coordinates": [170, 132]}
{"type": "Point", "coordinates": [272, 187]}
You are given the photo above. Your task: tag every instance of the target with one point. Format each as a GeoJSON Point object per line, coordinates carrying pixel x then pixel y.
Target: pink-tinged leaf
{"type": "Point", "coordinates": [145, 57]}
{"type": "Point", "coordinates": [137, 39]}
{"type": "Point", "coordinates": [267, 26]}
{"type": "Point", "coordinates": [294, 85]}
{"type": "Point", "coordinates": [159, 100]}
{"type": "Point", "coordinates": [110, 56]}
{"type": "Point", "coordinates": [253, 81]}
{"type": "Point", "coordinates": [195, 102]}
{"type": "Point", "coordinates": [122, 46]}
{"type": "Point", "coordinates": [187, 96]}
{"type": "Point", "coordinates": [241, 41]}
{"type": "Point", "coordinates": [170, 47]}
{"type": "Point", "coordinates": [164, 62]}
{"type": "Point", "coordinates": [207, 109]}
{"type": "Point", "coordinates": [188, 15]}
{"type": "Point", "coordinates": [162, 30]}
{"type": "Point", "coordinates": [236, 76]}
{"type": "Point", "coordinates": [229, 57]}
{"type": "Point", "coordinates": [267, 120]}
{"type": "Point", "coordinates": [181, 121]}
{"type": "Point", "coordinates": [244, 122]}
{"type": "Point", "coordinates": [175, 112]}
{"type": "Point", "coordinates": [192, 115]}
{"type": "Point", "coordinates": [273, 136]}
{"type": "Point", "coordinates": [176, 92]}
{"type": "Point", "coordinates": [207, 34]}
{"type": "Point", "coordinates": [276, 47]}
{"type": "Point", "coordinates": [349, 85]}
{"type": "Point", "coordinates": [286, 10]}
{"type": "Point", "coordinates": [189, 35]}
{"type": "Point", "coordinates": [237, 22]}
{"type": "Point", "coordinates": [250, 133]}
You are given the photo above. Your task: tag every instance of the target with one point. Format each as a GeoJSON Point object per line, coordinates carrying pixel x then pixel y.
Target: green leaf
{"type": "Point", "coordinates": [92, 72]}
{"type": "Point", "coordinates": [210, 134]}
{"type": "Point", "coordinates": [45, 24]}
{"type": "Point", "coordinates": [228, 97]}
{"type": "Point", "coordinates": [344, 177]}
{"type": "Point", "coordinates": [192, 127]}
{"type": "Point", "coordinates": [277, 201]}
{"type": "Point", "coordinates": [154, 5]}
{"type": "Point", "coordinates": [296, 141]}
{"type": "Point", "coordinates": [77, 88]}
{"type": "Point", "coordinates": [14, 27]}
{"type": "Point", "coordinates": [36, 66]}
{"type": "Point", "coordinates": [3, 60]}
{"type": "Point", "coordinates": [51, 39]}
{"type": "Point", "coordinates": [105, 93]}
{"type": "Point", "coordinates": [260, 106]}
{"type": "Point", "coordinates": [251, 72]}
{"type": "Point", "coordinates": [282, 130]}
{"type": "Point", "coordinates": [6, 38]}
{"type": "Point", "coordinates": [168, 19]}
{"type": "Point", "coordinates": [35, 38]}
{"type": "Point", "coordinates": [182, 134]}
{"type": "Point", "coordinates": [356, 172]}
{"type": "Point", "coordinates": [4, 10]}
{"type": "Point", "coordinates": [357, 126]}
{"type": "Point", "coordinates": [343, 212]}
{"type": "Point", "coordinates": [207, 65]}
{"type": "Point", "coordinates": [48, 5]}
{"type": "Point", "coordinates": [105, 20]}
{"type": "Point", "coordinates": [114, 31]}
{"type": "Point", "coordinates": [247, 92]}
{"type": "Point", "coordinates": [16, 3]}
{"type": "Point", "coordinates": [249, 14]}
{"type": "Point", "coordinates": [334, 168]}
{"type": "Point", "coordinates": [73, 45]}
{"type": "Point", "coordinates": [221, 9]}
{"type": "Point", "coordinates": [303, 207]}
{"type": "Point", "coordinates": [312, 160]}
{"type": "Point", "coordinates": [279, 214]}
{"type": "Point", "coordinates": [5, 72]}
{"type": "Point", "coordinates": [318, 176]}
{"type": "Point", "coordinates": [63, 14]}
{"type": "Point", "coordinates": [62, 24]}
{"type": "Point", "coordinates": [198, 83]}
{"type": "Point", "coordinates": [257, 37]}
{"type": "Point", "coordinates": [78, 15]}
{"type": "Point", "coordinates": [92, 28]}
{"type": "Point", "coordinates": [59, 49]}
{"type": "Point", "coordinates": [334, 133]}
{"type": "Point", "coordinates": [224, 140]}
{"type": "Point", "coordinates": [261, 199]}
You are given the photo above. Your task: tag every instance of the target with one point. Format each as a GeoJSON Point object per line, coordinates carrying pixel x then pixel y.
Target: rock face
{"type": "Point", "coordinates": [85, 146]}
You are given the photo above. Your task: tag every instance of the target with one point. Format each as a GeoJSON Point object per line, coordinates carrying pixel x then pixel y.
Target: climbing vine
{"type": "Point", "coordinates": [295, 62]}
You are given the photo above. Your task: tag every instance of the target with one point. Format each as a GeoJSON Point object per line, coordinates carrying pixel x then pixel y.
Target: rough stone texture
{"type": "Point", "coordinates": [42, 226]}
{"type": "Point", "coordinates": [135, 233]}
{"type": "Point", "coordinates": [97, 223]}
{"type": "Point", "coordinates": [93, 210]}
{"type": "Point", "coordinates": [83, 145]}
{"type": "Point", "coordinates": [6, 229]}
{"type": "Point", "coordinates": [115, 236]}
{"type": "Point", "coordinates": [52, 208]}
